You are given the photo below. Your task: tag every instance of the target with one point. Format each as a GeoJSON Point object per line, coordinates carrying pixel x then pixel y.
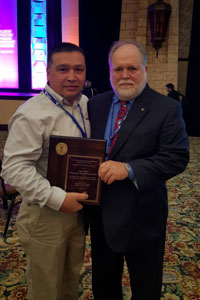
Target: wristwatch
{"type": "Point", "coordinates": [127, 167]}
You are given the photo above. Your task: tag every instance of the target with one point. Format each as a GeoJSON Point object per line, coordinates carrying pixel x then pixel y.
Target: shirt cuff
{"type": "Point", "coordinates": [132, 176]}
{"type": "Point", "coordinates": [131, 173]}
{"type": "Point", "coordinates": [57, 198]}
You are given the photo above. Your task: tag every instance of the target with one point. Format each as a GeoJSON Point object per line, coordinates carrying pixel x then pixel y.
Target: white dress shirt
{"type": "Point", "coordinates": [26, 149]}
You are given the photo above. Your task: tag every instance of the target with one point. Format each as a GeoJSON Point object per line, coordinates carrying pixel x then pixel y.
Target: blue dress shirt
{"type": "Point", "coordinates": [114, 109]}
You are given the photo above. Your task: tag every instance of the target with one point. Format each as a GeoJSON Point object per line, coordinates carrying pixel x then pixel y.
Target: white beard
{"type": "Point", "coordinates": [130, 92]}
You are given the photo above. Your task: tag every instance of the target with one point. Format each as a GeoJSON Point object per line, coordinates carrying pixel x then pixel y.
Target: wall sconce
{"type": "Point", "coordinates": [158, 17]}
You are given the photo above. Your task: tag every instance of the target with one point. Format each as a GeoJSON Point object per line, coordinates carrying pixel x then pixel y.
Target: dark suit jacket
{"type": "Point", "coordinates": [174, 94]}
{"type": "Point", "coordinates": [154, 141]}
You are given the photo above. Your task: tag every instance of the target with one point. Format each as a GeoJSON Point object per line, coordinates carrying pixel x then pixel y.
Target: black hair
{"type": "Point", "coordinates": [63, 47]}
{"type": "Point", "coordinates": [170, 86]}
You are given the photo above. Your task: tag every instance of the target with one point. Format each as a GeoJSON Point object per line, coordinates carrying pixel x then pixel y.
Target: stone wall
{"type": "Point", "coordinates": [134, 25]}
{"type": "Point", "coordinates": [185, 26]}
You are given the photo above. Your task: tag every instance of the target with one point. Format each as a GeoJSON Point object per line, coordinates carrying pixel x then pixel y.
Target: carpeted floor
{"type": "Point", "coordinates": [181, 276]}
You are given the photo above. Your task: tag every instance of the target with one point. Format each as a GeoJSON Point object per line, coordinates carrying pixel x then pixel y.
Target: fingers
{"type": "Point", "coordinates": [108, 177]}
{"type": "Point", "coordinates": [71, 202]}
{"type": "Point", "coordinates": [103, 169]}
{"type": "Point", "coordinates": [110, 171]}
{"type": "Point", "coordinates": [106, 173]}
{"type": "Point", "coordinates": [80, 196]}
{"type": "Point", "coordinates": [78, 206]}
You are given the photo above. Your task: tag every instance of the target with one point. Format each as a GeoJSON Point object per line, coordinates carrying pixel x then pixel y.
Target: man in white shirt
{"type": "Point", "coordinates": [49, 224]}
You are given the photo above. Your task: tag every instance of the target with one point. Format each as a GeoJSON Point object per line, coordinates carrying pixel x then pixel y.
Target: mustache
{"type": "Point", "coordinates": [122, 81]}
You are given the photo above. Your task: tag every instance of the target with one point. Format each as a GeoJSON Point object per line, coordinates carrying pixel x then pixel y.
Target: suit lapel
{"type": "Point", "coordinates": [102, 114]}
{"type": "Point", "coordinates": [138, 111]}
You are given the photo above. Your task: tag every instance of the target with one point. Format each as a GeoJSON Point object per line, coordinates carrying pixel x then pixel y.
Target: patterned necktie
{"type": "Point", "coordinates": [120, 118]}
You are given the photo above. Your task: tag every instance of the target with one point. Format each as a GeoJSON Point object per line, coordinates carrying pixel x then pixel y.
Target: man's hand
{"type": "Point", "coordinates": [110, 170]}
{"type": "Point", "coordinates": [71, 203]}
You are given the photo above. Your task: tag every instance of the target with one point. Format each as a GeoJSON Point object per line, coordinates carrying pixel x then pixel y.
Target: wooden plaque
{"type": "Point", "coordinates": [73, 165]}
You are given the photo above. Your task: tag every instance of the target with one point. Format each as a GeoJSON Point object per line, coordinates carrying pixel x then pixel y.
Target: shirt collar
{"type": "Point", "coordinates": [116, 100]}
{"type": "Point", "coordinates": [60, 99]}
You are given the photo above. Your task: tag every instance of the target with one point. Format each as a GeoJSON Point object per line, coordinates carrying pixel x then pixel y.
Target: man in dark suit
{"type": "Point", "coordinates": [172, 92]}
{"type": "Point", "coordinates": [150, 148]}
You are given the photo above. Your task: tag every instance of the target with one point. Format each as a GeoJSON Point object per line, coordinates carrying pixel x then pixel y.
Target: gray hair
{"type": "Point", "coordinates": [116, 45]}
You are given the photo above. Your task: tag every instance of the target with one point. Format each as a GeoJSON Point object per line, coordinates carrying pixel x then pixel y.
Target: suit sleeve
{"type": "Point", "coordinates": [170, 156]}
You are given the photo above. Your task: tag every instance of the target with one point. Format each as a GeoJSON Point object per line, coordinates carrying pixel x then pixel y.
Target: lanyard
{"type": "Point", "coordinates": [83, 132]}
